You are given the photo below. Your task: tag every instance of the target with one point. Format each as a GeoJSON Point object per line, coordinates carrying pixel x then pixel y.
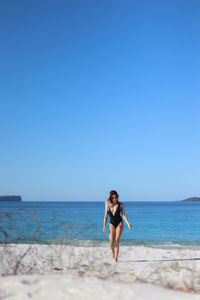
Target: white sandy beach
{"type": "Point", "coordinates": [69, 272]}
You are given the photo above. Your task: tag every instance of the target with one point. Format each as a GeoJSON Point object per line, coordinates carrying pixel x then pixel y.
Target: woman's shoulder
{"type": "Point", "coordinates": [107, 205]}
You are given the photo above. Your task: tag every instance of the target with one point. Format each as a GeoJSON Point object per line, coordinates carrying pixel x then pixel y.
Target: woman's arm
{"type": "Point", "coordinates": [105, 217]}
{"type": "Point", "coordinates": [124, 216]}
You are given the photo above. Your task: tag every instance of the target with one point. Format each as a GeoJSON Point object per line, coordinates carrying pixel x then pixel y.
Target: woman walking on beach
{"type": "Point", "coordinates": [113, 207]}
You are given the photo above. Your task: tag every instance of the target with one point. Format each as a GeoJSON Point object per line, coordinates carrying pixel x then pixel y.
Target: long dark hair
{"type": "Point", "coordinates": [109, 199]}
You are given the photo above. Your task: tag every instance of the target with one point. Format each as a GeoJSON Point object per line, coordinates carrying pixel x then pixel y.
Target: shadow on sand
{"type": "Point", "coordinates": [159, 260]}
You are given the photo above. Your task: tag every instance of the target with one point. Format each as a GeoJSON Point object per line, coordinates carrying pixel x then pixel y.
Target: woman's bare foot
{"type": "Point", "coordinates": [116, 259]}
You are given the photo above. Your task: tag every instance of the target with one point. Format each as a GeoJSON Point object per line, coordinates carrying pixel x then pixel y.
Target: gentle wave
{"type": "Point", "coordinates": [78, 242]}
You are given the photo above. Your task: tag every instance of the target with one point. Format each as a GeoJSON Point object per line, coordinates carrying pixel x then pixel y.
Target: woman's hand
{"type": "Point", "coordinates": [104, 228]}
{"type": "Point", "coordinates": [129, 226]}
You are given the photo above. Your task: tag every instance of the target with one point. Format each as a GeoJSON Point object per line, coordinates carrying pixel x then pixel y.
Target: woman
{"type": "Point", "coordinates": [113, 207]}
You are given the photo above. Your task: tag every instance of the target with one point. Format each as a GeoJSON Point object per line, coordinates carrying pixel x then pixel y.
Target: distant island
{"type": "Point", "coordinates": [10, 198]}
{"type": "Point", "coordinates": [191, 199]}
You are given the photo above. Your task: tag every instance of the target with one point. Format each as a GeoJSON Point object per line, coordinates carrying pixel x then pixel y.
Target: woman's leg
{"type": "Point", "coordinates": [119, 230]}
{"type": "Point", "coordinates": [112, 234]}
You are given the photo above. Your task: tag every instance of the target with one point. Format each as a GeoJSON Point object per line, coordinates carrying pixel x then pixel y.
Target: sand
{"type": "Point", "coordinates": [69, 272]}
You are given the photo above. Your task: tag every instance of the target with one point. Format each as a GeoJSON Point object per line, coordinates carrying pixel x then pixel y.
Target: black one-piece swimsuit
{"type": "Point", "coordinates": [116, 218]}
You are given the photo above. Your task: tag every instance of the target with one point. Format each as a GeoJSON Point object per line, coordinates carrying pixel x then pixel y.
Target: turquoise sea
{"type": "Point", "coordinates": [81, 223]}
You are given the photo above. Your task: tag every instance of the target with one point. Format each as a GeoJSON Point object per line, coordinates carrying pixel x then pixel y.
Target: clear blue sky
{"type": "Point", "coordinates": [100, 95]}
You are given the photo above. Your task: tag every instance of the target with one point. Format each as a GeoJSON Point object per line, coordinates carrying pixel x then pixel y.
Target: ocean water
{"type": "Point", "coordinates": [81, 223]}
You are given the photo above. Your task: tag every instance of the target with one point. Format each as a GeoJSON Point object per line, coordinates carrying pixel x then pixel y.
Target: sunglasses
{"type": "Point", "coordinates": [113, 197]}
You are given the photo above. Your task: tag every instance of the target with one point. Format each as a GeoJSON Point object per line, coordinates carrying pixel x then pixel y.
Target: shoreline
{"type": "Point", "coordinates": [85, 243]}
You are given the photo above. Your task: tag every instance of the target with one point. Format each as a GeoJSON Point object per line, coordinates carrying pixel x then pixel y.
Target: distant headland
{"type": "Point", "coordinates": [10, 198]}
{"type": "Point", "coordinates": [191, 199]}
